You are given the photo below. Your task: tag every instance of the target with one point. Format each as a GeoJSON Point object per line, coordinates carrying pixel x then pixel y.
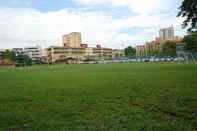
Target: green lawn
{"type": "Point", "coordinates": [110, 97]}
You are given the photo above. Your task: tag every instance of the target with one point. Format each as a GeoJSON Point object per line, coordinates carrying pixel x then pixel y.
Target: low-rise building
{"type": "Point", "coordinates": [73, 51]}
{"type": "Point", "coordinates": [102, 53]}
{"type": "Point", "coordinates": [118, 53]}
{"type": "Point", "coordinates": [65, 54]}
{"type": "Point", "coordinates": [62, 54]}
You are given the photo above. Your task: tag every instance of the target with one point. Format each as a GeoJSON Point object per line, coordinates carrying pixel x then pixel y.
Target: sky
{"type": "Point", "coordinates": [111, 23]}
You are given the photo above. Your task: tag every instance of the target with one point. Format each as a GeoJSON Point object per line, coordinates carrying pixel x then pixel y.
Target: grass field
{"type": "Point", "coordinates": [111, 97]}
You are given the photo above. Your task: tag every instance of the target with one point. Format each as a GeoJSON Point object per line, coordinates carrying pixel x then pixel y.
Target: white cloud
{"type": "Point", "coordinates": [27, 27]}
{"type": "Point", "coordinates": [138, 6]}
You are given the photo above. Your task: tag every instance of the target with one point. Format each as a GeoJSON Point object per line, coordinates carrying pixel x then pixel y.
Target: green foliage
{"type": "Point", "coordinates": [188, 9]}
{"type": "Point", "coordinates": [23, 60]}
{"type": "Point", "coordinates": [169, 48]}
{"type": "Point", "coordinates": [130, 51]}
{"type": "Point", "coordinates": [9, 55]}
{"type": "Point", "coordinates": [111, 97]}
{"type": "Point", "coordinates": [191, 42]}
{"type": "Point", "coordinates": [153, 53]}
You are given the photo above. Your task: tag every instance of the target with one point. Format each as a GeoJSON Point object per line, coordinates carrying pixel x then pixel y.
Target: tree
{"type": "Point", "coordinates": [23, 60]}
{"type": "Point", "coordinates": [191, 42]}
{"type": "Point", "coordinates": [169, 49]}
{"type": "Point", "coordinates": [188, 10]}
{"type": "Point", "coordinates": [130, 51]}
{"type": "Point", "coordinates": [9, 55]}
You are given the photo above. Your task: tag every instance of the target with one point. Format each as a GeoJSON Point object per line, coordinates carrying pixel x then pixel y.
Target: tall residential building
{"type": "Point", "coordinates": [166, 33]}
{"type": "Point", "coordinates": [72, 40]}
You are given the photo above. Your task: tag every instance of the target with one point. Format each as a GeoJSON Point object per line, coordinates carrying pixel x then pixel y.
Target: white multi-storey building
{"type": "Point", "coordinates": [167, 33]}
{"type": "Point", "coordinates": [35, 53]}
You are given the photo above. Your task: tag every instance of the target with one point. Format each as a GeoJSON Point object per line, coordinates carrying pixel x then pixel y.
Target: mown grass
{"type": "Point", "coordinates": [111, 97]}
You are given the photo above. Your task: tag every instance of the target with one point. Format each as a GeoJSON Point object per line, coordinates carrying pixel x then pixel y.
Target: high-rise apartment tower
{"type": "Point", "coordinates": [72, 40]}
{"type": "Point", "coordinates": [166, 33]}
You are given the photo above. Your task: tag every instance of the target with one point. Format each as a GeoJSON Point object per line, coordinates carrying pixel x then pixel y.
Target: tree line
{"type": "Point", "coordinates": [20, 60]}
{"type": "Point", "coordinates": [169, 47]}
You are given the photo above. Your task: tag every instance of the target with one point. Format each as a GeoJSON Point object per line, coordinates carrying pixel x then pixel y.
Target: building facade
{"type": "Point", "coordinates": [35, 53]}
{"type": "Point", "coordinates": [73, 50]}
{"type": "Point", "coordinates": [166, 33]}
{"type": "Point", "coordinates": [61, 54]}
{"type": "Point", "coordinates": [72, 40]}
{"type": "Point", "coordinates": [140, 50]}
{"type": "Point", "coordinates": [118, 53]}
{"type": "Point", "coordinates": [102, 53]}
{"type": "Point", "coordinates": [65, 54]}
